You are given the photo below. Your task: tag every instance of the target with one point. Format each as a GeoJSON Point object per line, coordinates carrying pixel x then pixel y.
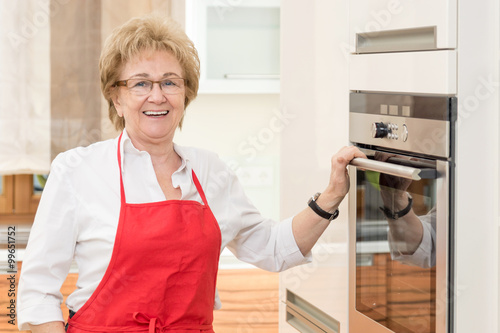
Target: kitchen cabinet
{"type": "Point", "coordinates": [6, 193]}
{"type": "Point", "coordinates": [315, 90]}
{"type": "Point", "coordinates": [388, 26]}
{"type": "Point", "coordinates": [473, 33]}
{"type": "Point", "coordinates": [19, 198]}
{"type": "Point", "coordinates": [238, 44]}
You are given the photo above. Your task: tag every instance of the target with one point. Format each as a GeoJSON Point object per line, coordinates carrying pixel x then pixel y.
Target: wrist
{"type": "Point", "coordinates": [396, 211]}
{"type": "Point", "coordinates": [315, 204]}
{"type": "Point", "coordinates": [329, 200]}
{"type": "Point", "coordinates": [401, 202]}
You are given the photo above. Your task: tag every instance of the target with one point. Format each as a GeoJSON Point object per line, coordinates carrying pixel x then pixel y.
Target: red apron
{"type": "Point", "coordinates": [162, 273]}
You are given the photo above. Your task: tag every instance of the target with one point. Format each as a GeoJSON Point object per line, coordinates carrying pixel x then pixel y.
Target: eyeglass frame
{"type": "Point", "coordinates": [123, 83]}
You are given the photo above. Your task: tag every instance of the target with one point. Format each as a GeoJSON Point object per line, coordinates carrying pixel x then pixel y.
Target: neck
{"type": "Point", "coordinates": [162, 151]}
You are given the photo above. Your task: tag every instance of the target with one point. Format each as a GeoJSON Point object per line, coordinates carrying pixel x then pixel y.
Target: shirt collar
{"type": "Point", "coordinates": [127, 147]}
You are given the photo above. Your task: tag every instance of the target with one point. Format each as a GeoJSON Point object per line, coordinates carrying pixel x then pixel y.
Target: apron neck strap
{"type": "Point", "coordinates": [199, 188]}
{"type": "Point", "coordinates": [122, 189]}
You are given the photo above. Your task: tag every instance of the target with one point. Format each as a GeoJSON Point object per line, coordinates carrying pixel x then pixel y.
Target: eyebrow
{"type": "Point", "coordinates": [146, 75]}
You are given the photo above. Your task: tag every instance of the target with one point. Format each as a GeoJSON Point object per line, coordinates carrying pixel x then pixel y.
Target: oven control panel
{"type": "Point", "coordinates": [407, 123]}
{"type": "Point", "coordinates": [390, 131]}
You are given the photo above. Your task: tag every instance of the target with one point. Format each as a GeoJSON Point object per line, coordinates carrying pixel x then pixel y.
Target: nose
{"type": "Point", "coordinates": [156, 95]}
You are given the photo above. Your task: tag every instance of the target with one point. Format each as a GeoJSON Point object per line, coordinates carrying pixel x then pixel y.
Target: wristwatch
{"type": "Point", "coordinates": [396, 215]}
{"type": "Point", "coordinates": [324, 214]}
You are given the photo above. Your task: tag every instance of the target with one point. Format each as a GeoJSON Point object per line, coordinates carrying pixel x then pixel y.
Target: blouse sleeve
{"type": "Point", "coordinates": [425, 255]}
{"type": "Point", "coordinates": [49, 252]}
{"type": "Point", "coordinates": [260, 241]}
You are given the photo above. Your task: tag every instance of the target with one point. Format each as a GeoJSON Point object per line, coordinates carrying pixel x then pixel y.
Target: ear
{"type": "Point", "coordinates": [118, 106]}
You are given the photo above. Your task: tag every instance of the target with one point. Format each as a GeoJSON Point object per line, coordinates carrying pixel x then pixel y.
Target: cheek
{"type": "Point", "coordinates": [178, 103]}
{"type": "Point", "coordinates": [124, 105]}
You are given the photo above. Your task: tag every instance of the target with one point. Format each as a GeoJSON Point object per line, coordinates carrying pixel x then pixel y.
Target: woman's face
{"type": "Point", "coordinates": [154, 117]}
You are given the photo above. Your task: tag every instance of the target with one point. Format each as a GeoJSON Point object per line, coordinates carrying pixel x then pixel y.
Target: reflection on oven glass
{"type": "Point", "coordinates": [395, 246]}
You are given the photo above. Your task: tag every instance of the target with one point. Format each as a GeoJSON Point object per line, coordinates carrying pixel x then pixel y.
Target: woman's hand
{"type": "Point", "coordinates": [392, 188]}
{"type": "Point", "coordinates": [338, 185]}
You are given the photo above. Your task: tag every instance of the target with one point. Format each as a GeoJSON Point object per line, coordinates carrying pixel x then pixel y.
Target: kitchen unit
{"type": "Point", "coordinates": [401, 213]}
{"type": "Point", "coordinates": [238, 53]}
{"type": "Point", "coordinates": [401, 253]}
{"type": "Point", "coordinates": [461, 62]}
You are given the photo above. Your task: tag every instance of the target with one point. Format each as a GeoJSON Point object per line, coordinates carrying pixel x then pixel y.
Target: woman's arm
{"type": "Point", "coordinates": [407, 231]}
{"type": "Point", "coordinates": [307, 225]}
{"type": "Point", "coordinates": [49, 252]}
{"type": "Point", "coordinates": [52, 327]}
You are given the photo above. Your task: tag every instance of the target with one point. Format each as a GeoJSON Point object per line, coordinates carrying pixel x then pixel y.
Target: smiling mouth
{"type": "Point", "coordinates": [156, 113]}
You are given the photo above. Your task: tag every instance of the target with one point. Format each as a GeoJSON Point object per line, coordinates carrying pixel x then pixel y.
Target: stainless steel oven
{"type": "Point", "coordinates": [401, 213]}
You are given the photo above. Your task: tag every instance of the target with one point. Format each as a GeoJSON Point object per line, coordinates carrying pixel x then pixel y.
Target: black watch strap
{"type": "Point", "coordinates": [396, 215]}
{"type": "Point", "coordinates": [317, 209]}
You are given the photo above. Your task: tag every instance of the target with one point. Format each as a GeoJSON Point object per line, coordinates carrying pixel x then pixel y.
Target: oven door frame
{"type": "Point", "coordinates": [358, 322]}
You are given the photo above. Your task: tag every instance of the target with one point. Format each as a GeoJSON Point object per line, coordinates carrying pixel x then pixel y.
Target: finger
{"type": "Point", "coordinates": [353, 152]}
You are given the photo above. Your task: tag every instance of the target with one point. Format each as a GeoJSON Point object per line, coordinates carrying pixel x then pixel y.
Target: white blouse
{"type": "Point", "coordinates": [78, 216]}
{"type": "Point", "coordinates": [425, 255]}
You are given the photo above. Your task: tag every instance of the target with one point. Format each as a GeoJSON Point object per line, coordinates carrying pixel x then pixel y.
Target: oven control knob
{"type": "Point", "coordinates": [379, 130]}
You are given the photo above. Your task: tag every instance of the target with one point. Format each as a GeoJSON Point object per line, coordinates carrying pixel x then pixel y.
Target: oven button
{"type": "Point", "coordinates": [404, 134]}
{"type": "Point", "coordinates": [379, 130]}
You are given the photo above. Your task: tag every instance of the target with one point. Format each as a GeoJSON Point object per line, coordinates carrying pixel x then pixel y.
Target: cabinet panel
{"type": "Point", "coordinates": [19, 199]}
{"type": "Point", "coordinates": [238, 44]}
{"type": "Point", "coordinates": [25, 199]}
{"type": "Point", "coordinates": [428, 72]}
{"type": "Point", "coordinates": [381, 16]}
{"type": "Point", "coordinates": [6, 194]}
{"type": "Point", "coordinates": [243, 42]}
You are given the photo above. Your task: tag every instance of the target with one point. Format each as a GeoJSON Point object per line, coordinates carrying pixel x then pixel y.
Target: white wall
{"type": "Point", "coordinates": [314, 87]}
{"type": "Point", "coordinates": [243, 130]}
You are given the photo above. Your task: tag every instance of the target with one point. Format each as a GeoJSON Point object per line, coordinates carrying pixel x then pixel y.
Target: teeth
{"type": "Point", "coordinates": [155, 113]}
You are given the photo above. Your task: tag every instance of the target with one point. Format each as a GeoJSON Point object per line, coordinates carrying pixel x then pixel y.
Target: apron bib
{"type": "Point", "coordinates": [162, 273]}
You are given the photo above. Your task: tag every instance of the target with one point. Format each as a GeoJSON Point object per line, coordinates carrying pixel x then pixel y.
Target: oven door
{"type": "Point", "coordinates": [398, 266]}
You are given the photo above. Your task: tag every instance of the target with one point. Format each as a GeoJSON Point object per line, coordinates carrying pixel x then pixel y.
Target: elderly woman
{"type": "Point", "coordinates": [133, 214]}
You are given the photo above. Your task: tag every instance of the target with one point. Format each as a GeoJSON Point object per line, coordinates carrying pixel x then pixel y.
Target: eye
{"type": "Point", "coordinates": [168, 83]}
{"type": "Point", "coordinates": [140, 84]}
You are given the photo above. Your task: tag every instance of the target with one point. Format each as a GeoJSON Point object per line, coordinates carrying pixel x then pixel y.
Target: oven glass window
{"type": "Point", "coordinates": [395, 256]}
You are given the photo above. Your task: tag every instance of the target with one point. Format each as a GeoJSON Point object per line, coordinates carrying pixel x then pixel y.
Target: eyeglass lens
{"type": "Point", "coordinates": [168, 86]}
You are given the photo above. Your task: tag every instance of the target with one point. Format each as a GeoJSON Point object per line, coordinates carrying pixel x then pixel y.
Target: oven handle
{"type": "Point", "coordinates": [394, 169]}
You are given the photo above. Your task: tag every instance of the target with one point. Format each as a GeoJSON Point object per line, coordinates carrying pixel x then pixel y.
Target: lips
{"type": "Point", "coordinates": [156, 113]}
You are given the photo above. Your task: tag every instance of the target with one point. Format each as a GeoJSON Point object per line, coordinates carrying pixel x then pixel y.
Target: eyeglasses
{"type": "Point", "coordinates": [142, 87]}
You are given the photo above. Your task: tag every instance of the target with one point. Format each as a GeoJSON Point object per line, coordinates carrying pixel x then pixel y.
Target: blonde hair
{"type": "Point", "coordinates": [147, 33]}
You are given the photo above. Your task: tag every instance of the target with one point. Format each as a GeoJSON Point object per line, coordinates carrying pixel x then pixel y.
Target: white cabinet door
{"type": "Point", "coordinates": [406, 25]}
{"type": "Point", "coordinates": [238, 43]}
{"type": "Point", "coordinates": [427, 72]}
